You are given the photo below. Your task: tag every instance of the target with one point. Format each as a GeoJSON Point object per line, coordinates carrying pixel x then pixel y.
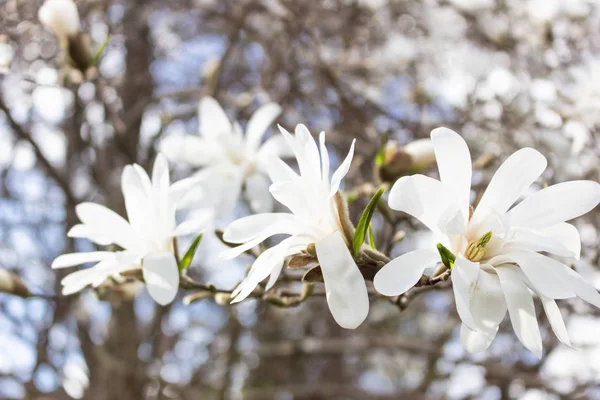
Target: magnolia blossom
{"type": "Point", "coordinates": [147, 239]}
{"type": "Point", "coordinates": [498, 264]}
{"type": "Point", "coordinates": [60, 17]}
{"type": "Point", "coordinates": [230, 159]}
{"type": "Point", "coordinates": [314, 219]}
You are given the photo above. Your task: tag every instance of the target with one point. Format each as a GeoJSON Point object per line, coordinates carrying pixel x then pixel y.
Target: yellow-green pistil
{"type": "Point", "coordinates": [476, 249]}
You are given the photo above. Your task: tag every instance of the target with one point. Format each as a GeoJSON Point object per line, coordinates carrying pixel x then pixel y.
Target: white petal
{"type": "Point", "coordinates": [180, 189]}
{"type": "Point", "coordinates": [87, 232]}
{"type": "Point", "coordinates": [107, 223]}
{"type": "Point", "coordinates": [192, 150]}
{"type": "Point", "coordinates": [250, 227]}
{"type": "Point", "coordinates": [556, 204]}
{"type": "Point", "coordinates": [270, 260]}
{"type": "Point", "coordinates": [475, 341]}
{"type": "Point", "coordinates": [342, 170]}
{"type": "Point", "coordinates": [161, 275]}
{"type": "Point", "coordinates": [325, 157]}
{"type": "Point", "coordinates": [72, 259]}
{"type": "Point", "coordinates": [275, 146]}
{"type": "Point", "coordinates": [308, 154]}
{"type": "Point", "coordinates": [422, 197]}
{"type": "Point", "coordinates": [257, 191]}
{"type": "Point", "coordinates": [213, 120]}
{"type": "Point", "coordinates": [93, 276]}
{"type": "Point", "coordinates": [281, 226]}
{"type": "Point", "coordinates": [513, 177]}
{"type": "Point", "coordinates": [279, 171]}
{"type": "Point", "coordinates": [196, 223]}
{"type": "Point", "coordinates": [402, 273]}
{"type": "Point", "coordinates": [582, 289]}
{"type": "Point", "coordinates": [259, 123]}
{"type": "Point", "coordinates": [464, 279]}
{"type": "Point", "coordinates": [547, 275]}
{"type": "Point", "coordinates": [137, 202]}
{"type": "Point", "coordinates": [520, 308]}
{"type": "Point", "coordinates": [164, 215]}
{"type": "Point", "coordinates": [345, 286]}
{"type": "Point", "coordinates": [549, 240]}
{"type": "Point", "coordinates": [567, 235]}
{"type": "Point", "coordinates": [454, 163]}
{"type": "Point", "coordinates": [487, 304]}
{"type": "Point", "coordinates": [555, 318]}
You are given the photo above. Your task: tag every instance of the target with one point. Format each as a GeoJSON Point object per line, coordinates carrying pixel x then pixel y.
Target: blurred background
{"type": "Point", "coordinates": [504, 73]}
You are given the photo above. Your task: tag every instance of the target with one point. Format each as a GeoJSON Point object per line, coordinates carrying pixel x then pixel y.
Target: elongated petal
{"type": "Point", "coordinates": [487, 304]}
{"type": "Point", "coordinates": [402, 273]}
{"type": "Point", "coordinates": [193, 150]}
{"type": "Point", "coordinates": [454, 163]}
{"type": "Point", "coordinates": [582, 289]}
{"type": "Point", "coordinates": [282, 226]}
{"type": "Point", "coordinates": [72, 259]}
{"type": "Point", "coordinates": [422, 197]}
{"type": "Point", "coordinates": [196, 223]}
{"type": "Point", "coordinates": [250, 227]}
{"type": "Point", "coordinates": [341, 171]}
{"type": "Point", "coordinates": [164, 215]}
{"type": "Point", "coordinates": [567, 235]}
{"type": "Point", "coordinates": [93, 276]}
{"type": "Point", "coordinates": [180, 189]}
{"type": "Point", "coordinates": [259, 123]}
{"type": "Point", "coordinates": [475, 341]}
{"type": "Point", "coordinates": [555, 318]}
{"type": "Point", "coordinates": [258, 194]}
{"type": "Point", "coordinates": [270, 260]}
{"type": "Point", "coordinates": [161, 276]}
{"type": "Point", "coordinates": [464, 279]}
{"type": "Point", "coordinates": [345, 286]}
{"type": "Point", "coordinates": [137, 202]}
{"type": "Point", "coordinates": [325, 157]}
{"type": "Point", "coordinates": [213, 120]}
{"type": "Point", "coordinates": [279, 171]}
{"type": "Point", "coordinates": [108, 223]}
{"type": "Point", "coordinates": [88, 232]}
{"type": "Point", "coordinates": [547, 275]}
{"type": "Point", "coordinates": [561, 240]}
{"type": "Point", "coordinates": [513, 177]}
{"type": "Point", "coordinates": [275, 146]}
{"type": "Point", "coordinates": [307, 154]}
{"type": "Point", "coordinates": [556, 204]}
{"type": "Point", "coordinates": [520, 308]}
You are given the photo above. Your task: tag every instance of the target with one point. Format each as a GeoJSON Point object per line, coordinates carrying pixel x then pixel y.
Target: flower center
{"type": "Point", "coordinates": [476, 249]}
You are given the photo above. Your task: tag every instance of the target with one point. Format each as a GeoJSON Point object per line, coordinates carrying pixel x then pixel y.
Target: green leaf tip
{"type": "Point", "coordinates": [364, 222]}
{"type": "Point", "coordinates": [186, 261]}
{"type": "Point", "coordinates": [447, 256]}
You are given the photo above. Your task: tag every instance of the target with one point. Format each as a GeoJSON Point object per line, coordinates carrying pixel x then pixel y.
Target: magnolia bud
{"type": "Point", "coordinates": [12, 284]}
{"type": "Point", "coordinates": [60, 17]}
{"type": "Point", "coordinates": [399, 161]}
{"type": "Point", "coordinates": [421, 153]}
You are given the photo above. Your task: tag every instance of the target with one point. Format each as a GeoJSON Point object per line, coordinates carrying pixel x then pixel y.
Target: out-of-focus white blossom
{"type": "Point", "coordinates": [497, 261]}
{"type": "Point", "coordinates": [60, 17]}
{"type": "Point", "coordinates": [314, 219]}
{"type": "Point", "coordinates": [230, 159]}
{"type": "Point", "coordinates": [147, 239]}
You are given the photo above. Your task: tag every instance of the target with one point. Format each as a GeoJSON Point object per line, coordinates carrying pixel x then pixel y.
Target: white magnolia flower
{"type": "Point", "coordinates": [497, 261]}
{"type": "Point", "coordinates": [314, 219]}
{"type": "Point", "coordinates": [60, 17]}
{"type": "Point", "coordinates": [230, 159]}
{"type": "Point", "coordinates": [147, 239]}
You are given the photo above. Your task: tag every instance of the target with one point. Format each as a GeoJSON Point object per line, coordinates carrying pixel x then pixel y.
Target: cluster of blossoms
{"type": "Point", "coordinates": [492, 253]}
